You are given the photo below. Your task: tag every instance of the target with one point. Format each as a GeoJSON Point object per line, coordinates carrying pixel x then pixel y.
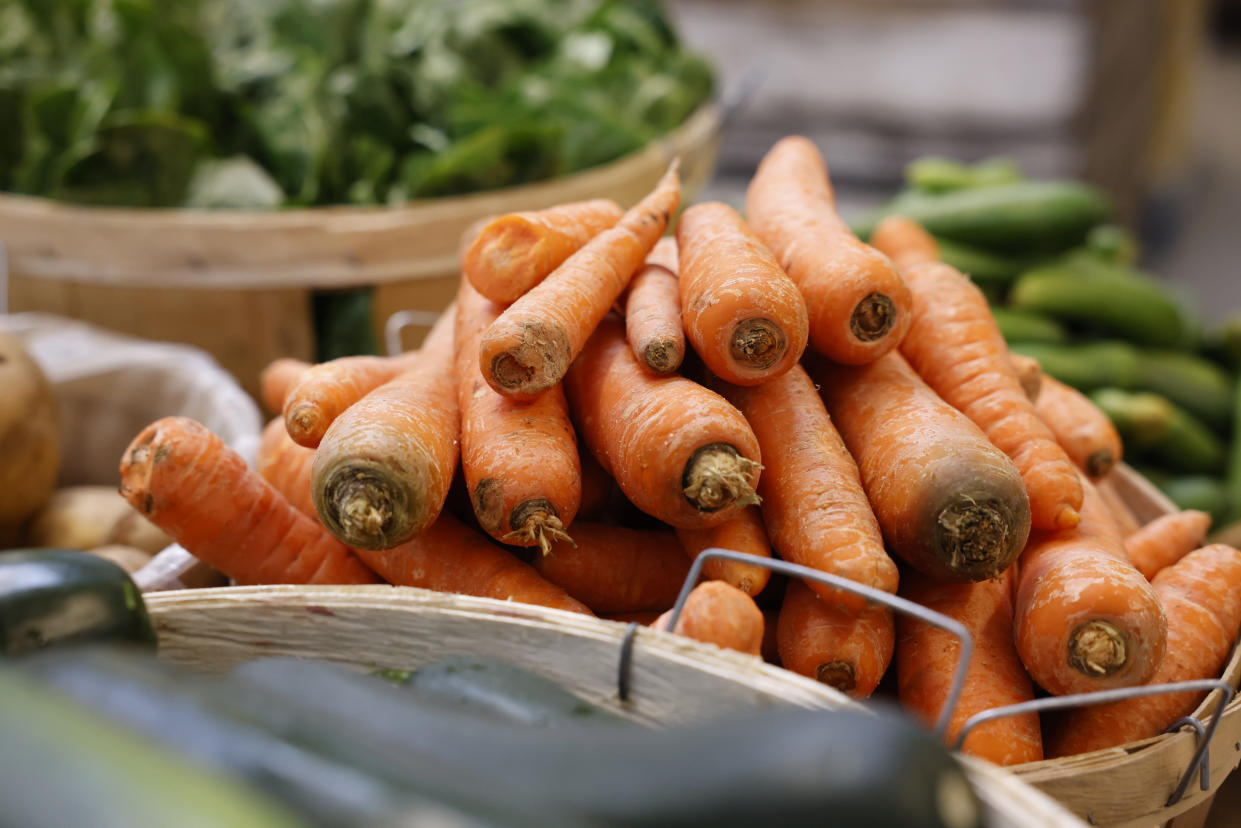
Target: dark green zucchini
{"type": "Point", "coordinates": [1161, 431]}
{"type": "Point", "coordinates": [1087, 365]}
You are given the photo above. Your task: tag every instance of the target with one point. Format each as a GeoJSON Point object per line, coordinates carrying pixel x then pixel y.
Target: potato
{"type": "Point", "coordinates": [78, 517]}
{"type": "Point", "coordinates": [126, 557]}
{"type": "Point", "coordinates": [136, 531]}
{"type": "Point", "coordinates": [29, 436]}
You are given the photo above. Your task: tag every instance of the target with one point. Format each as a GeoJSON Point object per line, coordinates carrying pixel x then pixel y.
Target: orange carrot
{"type": "Point", "coordinates": [858, 306]}
{"type": "Point", "coordinates": [1030, 377]}
{"type": "Point", "coordinates": [382, 471]}
{"type": "Point", "coordinates": [324, 391]}
{"type": "Point", "coordinates": [813, 503]}
{"type": "Point", "coordinates": [653, 311]}
{"type": "Point", "coordinates": [678, 451]}
{"type": "Point", "coordinates": [529, 347]}
{"type": "Point", "coordinates": [286, 466]}
{"type": "Point", "coordinates": [1202, 596]}
{"type": "Point", "coordinates": [520, 459]}
{"type": "Point", "coordinates": [1126, 521]}
{"type": "Point", "coordinates": [841, 649]}
{"type": "Point", "coordinates": [742, 312]}
{"type": "Point", "coordinates": [905, 242]}
{"type": "Point", "coordinates": [614, 569]}
{"type": "Point", "coordinates": [743, 533]}
{"type": "Point", "coordinates": [1165, 540]}
{"type": "Point", "coordinates": [1085, 619]}
{"type": "Point", "coordinates": [186, 481]}
{"type": "Point", "coordinates": [949, 503]}
{"type": "Point", "coordinates": [514, 252]}
{"type": "Point", "coordinates": [720, 614]}
{"type": "Point", "coordinates": [1085, 432]}
{"type": "Point", "coordinates": [926, 663]}
{"type": "Point", "coordinates": [277, 378]}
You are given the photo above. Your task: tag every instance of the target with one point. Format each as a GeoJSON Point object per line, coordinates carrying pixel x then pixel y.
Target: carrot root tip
{"type": "Point", "coordinates": [717, 476]}
{"type": "Point", "coordinates": [758, 343]}
{"type": "Point", "coordinates": [1100, 463]}
{"type": "Point", "coordinates": [974, 537]}
{"type": "Point", "coordinates": [838, 674]}
{"type": "Point", "coordinates": [1098, 649]}
{"type": "Point", "coordinates": [662, 356]}
{"type": "Point", "coordinates": [1067, 518]}
{"type": "Point", "coordinates": [538, 362]}
{"type": "Point", "coordinates": [302, 421]}
{"type": "Point", "coordinates": [873, 317]}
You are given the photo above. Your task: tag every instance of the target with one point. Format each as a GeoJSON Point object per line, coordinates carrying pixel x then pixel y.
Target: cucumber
{"type": "Point", "coordinates": [1162, 431]}
{"type": "Point", "coordinates": [1112, 243]}
{"type": "Point", "coordinates": [941, 175]}
{"type": "Point", "coordinates": [1198, 386]}
{"type": "Point", "coordinates": [981, 265]}
{"type": "Point", "coordinates": [1223, 343]}
{"type": "Point", "coordinates": [1206, 493]}
{"type": "Point", "coordinates": [1086, 366]}
{"type": "Point", "coordinates": [1028, 326]}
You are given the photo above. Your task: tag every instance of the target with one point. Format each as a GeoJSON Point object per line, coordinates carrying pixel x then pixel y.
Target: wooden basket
{"type": "Point", "coordinates": [238, 284]}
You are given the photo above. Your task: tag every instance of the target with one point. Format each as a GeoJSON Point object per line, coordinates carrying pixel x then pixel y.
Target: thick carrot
{"type": "Point", "coordinates": [720, 614]}
{"type": "Point", "coordinates": [653, 311]}
{"type": "Point", "coordinates": [1116, 506]}
{"type": "Point", "coordinates": [1201, 594]}
{"type": "Point", "coordinates": [1085, 432]}
{"type": "Point", "coordinates": [678, 451]}
{"type": "Point", "coordinates": [926, 663]}
{"type": "Point", "coordinates": [529, 347]}
{"type": "Point", "coordinates": [948, 501]}
{"type": "Point", "coordinates": [514, 252]}
{"type": "Point", "coordinates": [186, 481]}
{"type": "Point", "coordinates": [286, 466]}
{"type": "Point", "coordinates": [1085, 618]}
{"type": "Point", "coordinates": [1030, 377]}
{"type": "Point", "coordinates": [1165, 540]}
{"type": "Point", "coordinates": [615, 569]}
{"type": "Point", "coordinates": [324, 391]}
{"type": "Point", "coordinates": [905, 242]}
{"type": "Point", "coordinates": [742, 533]}
{"type": "Point", "coordinates": [277, 378]}
{"type": "Point", "coordinates": [382, 471]}
{"type": "Point", "coordinates": [742, 312]}
{"type": "Point", "coordinates": [858, 306]}
{"type": "Point", "coordinates": [842, 649]}
{"type": "Point", "coordinates": [813, 503]}
{"type": "Point", "coordinates": [520, 459]}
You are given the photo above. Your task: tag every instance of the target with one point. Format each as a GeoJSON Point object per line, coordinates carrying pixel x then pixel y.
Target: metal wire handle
{"type": "Point", "coordinates": [399, 321]}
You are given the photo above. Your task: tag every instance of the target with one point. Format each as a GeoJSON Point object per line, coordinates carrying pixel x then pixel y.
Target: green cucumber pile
{"type": "Point", "coordinates": [1065, 289]}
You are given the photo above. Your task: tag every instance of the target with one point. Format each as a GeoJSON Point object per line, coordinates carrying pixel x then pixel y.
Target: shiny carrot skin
{"type": "Point", "coordinates": [277, 378]}
{"type": "Point", "coordinates": [653, 311]}
{"type": "Point", "coordinates": [1166, 539]}
{"type": "Point", "coordinates": [286, 466]}
{"type": "Point", "coordinates": [743, 533]}
{"type": "Point", "coordinates": [1081, 428]}
{"type": "Point", "coordinates": [720, 614]}
{"type": "Point", "coordinates": [324, 391]}
{"type": "Point", "coordinates": [842, 649]}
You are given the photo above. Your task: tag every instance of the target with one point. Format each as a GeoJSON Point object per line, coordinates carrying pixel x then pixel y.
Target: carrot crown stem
{"type": "Point", "coordinates": [873, 317]}
{"type": "Point", "coordinates": [974, 537]}
{"type": "Point", "coordinates": [362, 507]}
{"type": "Point", "coordinates": [717, 476]}
{"type": "Point", "coordinates": [838, 674]}
{"type": "Point", "coordinates": [758, 343]}
{"type": "Point", "coordinates": [536, 521]}
{"type": "Point", "coordinates": [1098, 649]}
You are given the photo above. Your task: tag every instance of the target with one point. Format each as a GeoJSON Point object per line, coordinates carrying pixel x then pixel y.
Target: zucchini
{"type": "Point", "coordinates": [1028, 326]}
{"type": "Point", "coordinates": [942, 175]}
{"type": "Point", "coordinates": [981, 265]}
{"type": "Point", "coordinates": [1113, 244]}
{"type": "Point", "coordinates": [1203, 492]}
{"type": "Point", "coordinates": [1198, 386]}
{"type": "Point", "coordinates": [1086, 366]}
{"type": "Point", "coordinates": [1162, 431]}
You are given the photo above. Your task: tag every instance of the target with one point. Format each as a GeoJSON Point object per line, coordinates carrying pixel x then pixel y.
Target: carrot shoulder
{"type": "Point", "coordinates": [845, 650]}
{"type": "Point", "coordinates": [720, 614]}
{"type": "Point", "coordinates": [286, 466]}
{"type": "Point", "coordinates": [1166, 539]}
{"type": "Point", "coordinates": [324, 391]}
{"type": "Point", "coordinates": [742, 533]}
{"type": "Point", "coordinates": [653, 311]}
{"type": "Point", "coordinates": [1081, 428]}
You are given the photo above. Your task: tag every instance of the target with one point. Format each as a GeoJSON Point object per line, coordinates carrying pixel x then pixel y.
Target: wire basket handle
{"type": "Point", "coordinates": [399, 321]}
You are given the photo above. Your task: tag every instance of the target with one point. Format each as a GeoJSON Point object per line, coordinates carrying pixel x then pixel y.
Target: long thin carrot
{"type": "Point", "coordinates": [514, 252]}
{"type": "Point", "coordinates": [842, 649]}
{"type": "Point", "coordinates": [1201, 594]}
{"type": "Point", "coordinates": [742, 533]}
{"type": "Point", "coordinates": [813, 503]}
{"type": "Point", "coordinates": [905, 242]}
{"type": "Point", "coordinates": [529, 347]}
{"type": "Point", "coordinates": [859, 308]}
{"type": "Point", "coordinates": [1085, 618]}
{"type": "Point", "coordinates": [1166, 539]}
{"type": "Point", "coordinates": [286, 466]}
{"type": "Point", "coordinates": [324, 391]}
{"type": "Point", "coordinates": [382, 471]}
{"type": "Point", "coordinates": [1030, 377]}
{"type": "Point", "coordinates": [742, 312]}
{"type": "Point", "coordinates": [653, 311]}
{"type": "Point", "coordinates": [678, 451]}
{"type": "Point", "coordinates": [520, 459]}
{"type": "Point", "coordinates": [186, 481]}
{"type": "Point", "coordinates": [948, 501]}
{"type": "Point", "coordinates": [1081, 428]}
{"type": "Point", "coordinates": [926, 663]}
{"type": "Point", "coordinates": [277, 378]}
{"type": "Point", "coordinates": [720, 614]}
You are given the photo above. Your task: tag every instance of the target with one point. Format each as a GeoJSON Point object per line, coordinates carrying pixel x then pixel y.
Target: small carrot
{"type": "Point", "coordinates": [1085, 618]}
{"type": "Point", "coordinates": [277, 378]}
{"type": "Point", "coordinates": [742, 312]}
{"type": "Point", "coordinates": [1030, 377]}
{"type": "Point", "coordinates": [948, 501]}
{"type": "Point", "coordinates": [1126, 521]}
{"type": "Point", "coordinates": [520, 459]}
{"type": "Point", "coordinates": [678, 451]}
{"type": "Point", "coordinates": [905, 242]}
{"type": "Point", "coordinates": [653, 311]}
{"type": "Point", "coordinates": [1080, 427]}
{"type": "Point", "coordinates": [1165, 540]}
{"type": "Point", "coordinates": [529, 347]}
{"type": "Point", "coordinates": [615, 569]}
{"type": "Point", "coordinates": [858, 306]}
{"type": "Point", "coordinates": [324, 391]}
{"type": "Point", "coordinates": [1202, 596]}
{"type": "Point", "coordinates": [286, 466]}
{"type": "Point", "coordinates": [720, 614]}
{"type": "Point", "coordinates": [841, 649]}
{"type": "Point", "coordinates": [743, 533]}
{"type": "Point", "coordinates": [926, 663]}
{"type": "Point", "coordinates": [514, 252]}
{"type": "Point", "coordinates": [186, 481]}
{"type": "Point", "coordinates": [382, 471]}
{"type": "Point", "coordinates": [813, 503]}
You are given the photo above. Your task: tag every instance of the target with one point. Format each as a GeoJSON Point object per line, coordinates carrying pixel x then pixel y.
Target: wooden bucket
{"type": "Point", "coordinates": [238, 284]}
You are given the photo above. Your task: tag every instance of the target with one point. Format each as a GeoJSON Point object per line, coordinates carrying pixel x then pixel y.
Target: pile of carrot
{"type": "Point", "coordinates": [616, 391]}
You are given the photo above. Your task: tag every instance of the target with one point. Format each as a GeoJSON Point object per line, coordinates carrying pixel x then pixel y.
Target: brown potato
{"type": "Point", "coordinates": [29, 436]}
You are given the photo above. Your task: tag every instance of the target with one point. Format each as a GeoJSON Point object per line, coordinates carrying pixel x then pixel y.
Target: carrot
{"type": "Point", "coordinates": [514, 252]}
{"type": "Point", "coordinates": [948, 502]}
{"type": "Point", "coordinates": [841, 649]}
{"type": "Point", "coordinates": [615, 569]}
{"type": "Point", "coordinates": [926, 663]}
{"type": "Point", "coordinates": [1165, 540]}
{"type": "Point", "coordinates": [324, 391]}
{"type": "Point", "coordinates": [720, 614]}
{"type": "Point", "coordinates": [1085, 619]}
{"type": "Point", "coordinates": [1201, 594]}
{"type": "Point", "coordinates": [905, 242]}
{"type": "Point", "coordinates": [1030, 377]}
{"type": "Point", "coordinates": [520, 459]}
{"type": "Point", "coordinates": [382, 471]}
{"type": "Point", "coordinates": [186, 481]}
{"type": "Point", "coordinates": [286, 466]}
{"type": "Point", "coordinates": [277, 378]}
{"type": "Point", "coordinates": [678, 451]}
{"type": "Point", "coordinates": [1081, 428]}
{"type": "Point", "coordinates": [743, 533]}
{"type": "Point", "coordinates": [742, 312]}
{"type": "Point", "coordinates": [858, 306]}
{"type": "Point", "coordinates": [653, 311]}
{"type": "Point", "coordinates": [1126, 521]}
{"type": "Point", "coordinates": [529, 347]}
{"type": "Point", "coordinates": [449, 556]}
{"type": "Point", "coordinates": [813, 503]}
